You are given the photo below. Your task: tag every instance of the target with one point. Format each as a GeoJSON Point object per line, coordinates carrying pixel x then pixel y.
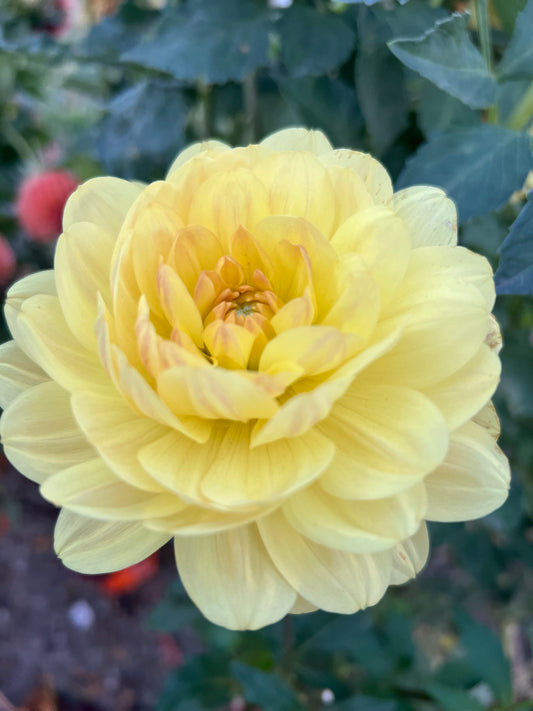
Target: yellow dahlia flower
{"type": "Point", "coordinates": [268, 357]}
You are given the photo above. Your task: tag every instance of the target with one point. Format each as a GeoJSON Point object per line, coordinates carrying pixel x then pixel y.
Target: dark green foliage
{"type": "Point", "coordinates": [515, 273]}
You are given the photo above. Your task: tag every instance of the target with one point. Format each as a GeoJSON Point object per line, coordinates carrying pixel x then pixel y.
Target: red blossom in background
{"type": "Point", "coordinates": [40, 202]}
{"type": "Point", "coordinates": [8, 262]}
{"type": "Point", "coordinates": [129, 579]}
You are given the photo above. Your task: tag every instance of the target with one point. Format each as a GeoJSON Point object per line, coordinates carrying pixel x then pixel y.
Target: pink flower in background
{"type": "Point", "coordinates": [40, 202]}
{"type": "Point", "coordinates": [8, 262]}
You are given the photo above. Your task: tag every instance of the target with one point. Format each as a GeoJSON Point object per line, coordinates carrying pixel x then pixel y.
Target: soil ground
{"type": "Point", "coordinates": [64, 645]}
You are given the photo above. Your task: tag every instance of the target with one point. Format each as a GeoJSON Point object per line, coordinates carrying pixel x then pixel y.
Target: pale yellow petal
{"type": "Point", "coordinates": [357, 304]}
{"type": "Point", "coordinates": [351, 193]}
{"type": "Point", "coordinates": [226, 473]}
{"type": "Point", "coordinates": [297, 139]}
{"type": "Point", "coordinates": [231, 578]}
{"type": "Point", "coordinates": [430, 216]}
{"type": "Point", "coordinates": [356, 526]}
{"type": "Point", "coordinates": [210, 146]}
{"type": "Point", "coordinates": [17, 373]}
{"type": "Point", "coordinates": [227, 200]}
{"type": "Point", "coordinates": [374, 175]}
{"type": "Point", "coordinates": [387, 438]}
{"type": "Point", "coordinates": [214, 393]}
{"type": "Point", "coordinates": [472, 481]}
{"type": "Point", "coordinates": [195, 520]}
{"type": "Point", "coordinates": [117, 433]}
{"type": "Point", "coordinates": [428, 265]}
{"type": "Point", "coordinates": [462, 394]}
{"type": "Point", "coordinates": [229, 344]}
{"type": "Point", "coordinates": [487, 418]}
{"type": "Point", "coordinates": [410, 556]}
{"type": "Point", "coordinates": [178, 305]}
{"type": "Point", "coordinates": [381, 239]}
{"type": "Point", "coordinates": [443, 328]}
{"type": "Point", "coordinates": [82, 268]}
{"type": "Point", "coordinates": [40, 435]}
{"type": "Point", "coordinates": [103, 201]}
{"type": "Point", "coordinates": [41, 331]}
{"type": "Point", "coordinates": [316, 349]}
{"type": "Point", "coordinates": [194, 250]}
{"type": "Point", "coordinates": [92, 547]}
{"type": "Point", "coordinates": [304, 410]}
{"type": "Point", "coordinates": [333, 580]}
{"type": "Point", "coordinates": [298, 185]}
{"type": "Point", "coordinates": [93, 490]}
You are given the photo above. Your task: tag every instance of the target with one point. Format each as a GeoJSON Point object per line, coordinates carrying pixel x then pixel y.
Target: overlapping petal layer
{"type": "Point", "coordinates": [269, 357]}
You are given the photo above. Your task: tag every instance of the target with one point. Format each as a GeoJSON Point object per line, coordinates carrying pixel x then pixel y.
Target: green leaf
{"type": "Point", "coordinates": [366, 703]}
{"type": "Point", "coordinates": [479, 167]}
{"type": "Point", "coordinates": [381, 90]}
{"type": "Point", "coordinates": [517, 62]}
{"type": "Point", "coordinates": [144, 124]}
{"type": "Point", "coordinates": [485, 656]}
{"type": "Point", "coordinates": [439, 111]}
{"type": "Point", "coordinates": [327, 104]}
{"type": "Point", "coordinates": [515, 271]}
{"type": "Point", "coordinates": [411, 21]}
{"type": "Point", "coordinates": [453, 699]}
{"type": "Point", "coordinates": [517, 375]}
{"type": "Point", "coordinates": [203, 682]}
{"type": "Point", "coordinates": [507, 11]}
{"type": "Point", "coordinates": [207, 41]}
{"type": "Point", "coordinates": [484, 234]}
{"type": "Point", "coordinates": [446, 56]}
{"type": "Point", "coordinates": [266, 690]}
{"type": "Point", "coordinates": [368, 2]}
{"type": "Point", "coordinates": [313, 42]}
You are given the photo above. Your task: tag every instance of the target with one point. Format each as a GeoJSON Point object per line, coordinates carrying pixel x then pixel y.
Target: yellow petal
{"type": "Point", "coordinates": [82, 268]}
{"type": "Point", "coordinates": [374, 175]}
{"type": "Point", "coordinates": [357, 303]}
{"type": "Point", "coordinates": [40, 435]}
{"type": "Point", "coordinates": [316, 349]}
{"type": "Point", "coordinates": [103, 201]}
{"type": "Point", "coordinates": [386, 437]}
{"type": "Point", "coordinates": [194, 250]}
{"type": "Point", "coordinates": [333, 580]}
{"type": "Point", "coordinates": [297, 312]}
{"type": "Point", "coordinates": [297, 139]}
{"type": "Point", "coordinates": [304, 410]}
{"type": "Point", "coordinates": [229, 344]}
{"type": "Point", "coordinates": [93, 490]}
{"type": "Point", "coordinates": [430, 216]}
{"type": "Point", "coordinates": [381, 239]}
{"type": "Point", "coordinates": [226, 473]}
{"type": "Point", "coordinates": [351, 193]}
{"type": "Point", "coordinates": [487, 418]}
{"type": "Point", "coordinates": [193, 150]}
{"type": "Point", "coordinates": [214, 393]}
{"type": "Point", "coordinates": [117, 433]}
{"type": "Point", "coordinates": [298, 185]}
{"type": "Point", "coordinates": [198, 521]}
{"type": "Point", "coordinates": [443, 328]}
{"type": "Point", "coordinates": [276, 234]}
{"type": "Point", "coordinates": [17, 373]}
{"type": "Point", "coordinates": [472, 481]}
{"type": "Point", "coordinates": [137, 391]}
{"type": "Point", "coordinates": [462, 394]}
{"type": "Point", "coordinates": [356, 526]}
{"type": "Point", "coordinates": [250, 592]}
{"type": "Point", "coordinates": [41, 331]}
{"type": "Point", "coordinates": [433, 264]}
{"type": "Point", "coordinates": [229, 199]}
{"type": "Point", "coordinates": [154, 214]}
{"type": "Point", "coordinates": [93, 547]}
{"type": "Point", "coordinates": [410, 556]}
{"type": "Point", "coordinates": [178, 305]}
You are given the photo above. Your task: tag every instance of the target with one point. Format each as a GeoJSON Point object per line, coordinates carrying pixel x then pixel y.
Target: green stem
{"type": "Point", "coordinates": [482, 13]}
{"type": "Point", "coordinates": [523, 112]}
{"type": "Point", "coordinates": [288, 644]}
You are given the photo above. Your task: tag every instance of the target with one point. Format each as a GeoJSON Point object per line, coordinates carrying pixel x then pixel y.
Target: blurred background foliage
{"type": "Point", "coordinates": [441, 92]}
